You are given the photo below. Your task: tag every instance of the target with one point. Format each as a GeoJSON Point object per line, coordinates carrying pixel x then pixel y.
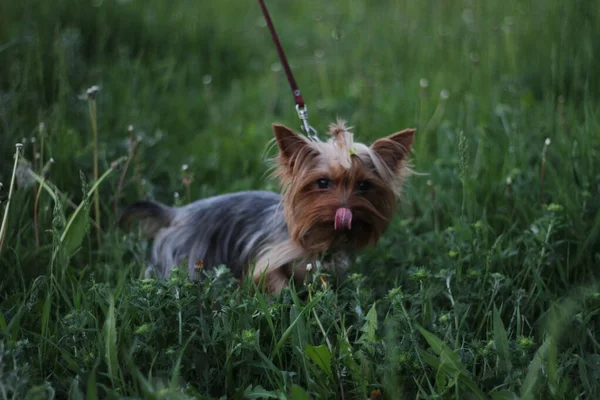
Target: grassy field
{"type": "Point", "coordinates": [485, 286]}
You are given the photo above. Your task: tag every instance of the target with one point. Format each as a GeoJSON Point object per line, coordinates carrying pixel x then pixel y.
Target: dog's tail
{"type": "Point", "coordinates": [151, 216]}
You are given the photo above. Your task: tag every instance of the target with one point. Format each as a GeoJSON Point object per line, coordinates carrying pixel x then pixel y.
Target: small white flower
{"type": "Point", "coordinates": [509, 181]}
{"type": "Point", "coordinates": [423, 83]}
{"type": "Point", "coordinates": [547, 142]}
{"type": "Point", "coordinates": [309, 267]}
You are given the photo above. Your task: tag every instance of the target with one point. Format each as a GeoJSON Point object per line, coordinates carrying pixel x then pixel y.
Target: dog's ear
{"type": "Point", "coordinates": [394, 149]}
{"type": "Point", "coordinates": [290, 143]}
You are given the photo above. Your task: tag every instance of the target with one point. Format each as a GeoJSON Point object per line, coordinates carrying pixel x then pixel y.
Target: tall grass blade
{"type": "Point", "coordinates": [501, 339]}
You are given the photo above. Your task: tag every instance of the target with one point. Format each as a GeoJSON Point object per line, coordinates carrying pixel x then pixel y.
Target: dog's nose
{"type": "Point", "coordinates": [343, 219]}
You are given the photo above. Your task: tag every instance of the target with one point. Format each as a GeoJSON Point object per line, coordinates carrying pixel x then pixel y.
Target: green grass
{"type": "Point", "coordinates": [485, 286]}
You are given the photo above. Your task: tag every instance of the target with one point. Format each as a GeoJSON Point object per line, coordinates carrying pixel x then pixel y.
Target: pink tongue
{"type": "Point", "coordinates": [343, 219]}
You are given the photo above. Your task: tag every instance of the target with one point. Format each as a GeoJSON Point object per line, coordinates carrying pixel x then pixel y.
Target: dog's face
{"type": "Point", "coordinates": [340, 194]}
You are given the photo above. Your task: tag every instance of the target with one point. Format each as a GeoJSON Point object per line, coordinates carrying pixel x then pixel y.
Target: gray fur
{"type": "Point", "coordinates": [228, 229]}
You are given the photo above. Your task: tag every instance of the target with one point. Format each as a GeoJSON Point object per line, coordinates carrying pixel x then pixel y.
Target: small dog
{"type": "Point", "coordinates": [337, 196]}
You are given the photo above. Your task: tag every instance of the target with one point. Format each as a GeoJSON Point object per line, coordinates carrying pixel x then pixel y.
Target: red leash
{"type": "Point", "coordinates": [300, 105]}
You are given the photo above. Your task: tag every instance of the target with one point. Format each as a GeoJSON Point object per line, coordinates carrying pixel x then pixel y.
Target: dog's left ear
{"type": "Point", "coordinates": [394, 149]}
{"type": "Point", "coordinates": [289, 142]}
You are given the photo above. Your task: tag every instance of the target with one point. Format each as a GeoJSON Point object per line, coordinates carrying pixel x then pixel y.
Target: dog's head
{"type": "Point", "coordinates": [339, 193]}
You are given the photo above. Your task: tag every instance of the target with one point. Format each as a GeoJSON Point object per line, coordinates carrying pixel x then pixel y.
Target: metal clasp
{"type": "Point", "coordinates": [303, 115]}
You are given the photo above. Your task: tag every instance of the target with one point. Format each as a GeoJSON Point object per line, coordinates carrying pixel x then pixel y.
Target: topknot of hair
{"type": "Point", "coordinates": [338, 127]}
{"type": "Point", "coordinates": [343, 140]}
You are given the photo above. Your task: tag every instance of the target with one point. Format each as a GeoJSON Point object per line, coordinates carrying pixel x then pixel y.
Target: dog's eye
{"type": "Point", "coordinates": [363, 185]}
{"type": "Point", "coordinates": [323, 183]}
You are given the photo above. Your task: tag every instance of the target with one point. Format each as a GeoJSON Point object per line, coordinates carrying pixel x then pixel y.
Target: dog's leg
{"type": "Point", "coordinates": [274, 264]}
{"type": "Point", "coordinates": [276, 281]}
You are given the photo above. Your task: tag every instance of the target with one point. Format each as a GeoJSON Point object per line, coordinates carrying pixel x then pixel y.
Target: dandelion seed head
{"type": "Point", "coordinates": [468, 16]}
{"type": "Point", "coordinates": [423, 83]}
{"type": "Point", "coordinates": [22, 173]}
{"type": "Point", "coordinates": [93, 91]}
{"type": "Point", "coordinates": [337, 34]}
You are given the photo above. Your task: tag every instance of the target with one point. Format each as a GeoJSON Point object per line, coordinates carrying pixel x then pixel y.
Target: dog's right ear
{"type": "Point", "coordinates": [291, 145]}
{"type": "Point", "coordinates": [394, 149]}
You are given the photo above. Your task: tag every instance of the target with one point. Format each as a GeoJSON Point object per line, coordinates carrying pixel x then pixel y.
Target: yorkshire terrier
{"type": "Point", "coordinates": [337, 196]}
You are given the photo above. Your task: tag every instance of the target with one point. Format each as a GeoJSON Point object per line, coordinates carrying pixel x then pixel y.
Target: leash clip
{"type": "Point", "coordinates": [303, 115]}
